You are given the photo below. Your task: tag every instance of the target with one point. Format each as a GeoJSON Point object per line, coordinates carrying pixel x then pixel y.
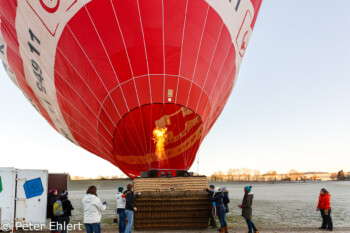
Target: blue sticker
{"type": "Point", "coordinates": [33, 188]}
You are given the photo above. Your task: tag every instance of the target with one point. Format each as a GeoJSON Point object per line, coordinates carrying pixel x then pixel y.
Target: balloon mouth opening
{"type": "Point", "coordinates": [157, 136]}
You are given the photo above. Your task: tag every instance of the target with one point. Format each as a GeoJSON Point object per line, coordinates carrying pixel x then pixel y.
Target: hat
{"type": "Point", "coordinates": [130, 186]}
{"type": "Point", "coordinates": [52, 191]}
{"type": "Point", "coordinates": [223, 189]}
{"type": "Point", "coordinates": [248, 188]}
{"type": "Point", "coordinates": [120, 189]}
{"type": "Point", "coordinates": [64, 193]}
{"type": "Point", "coordinates": [212, 186]}
{"type": "Point", "coordinates": [324, 190]}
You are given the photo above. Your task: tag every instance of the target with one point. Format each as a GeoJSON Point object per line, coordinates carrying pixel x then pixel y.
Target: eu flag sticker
{"type": "Point", "coordinates": [33, 188]}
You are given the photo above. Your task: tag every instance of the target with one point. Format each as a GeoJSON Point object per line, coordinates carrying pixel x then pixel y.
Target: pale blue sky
{"type": "Point", "coordinates": [290, 107]}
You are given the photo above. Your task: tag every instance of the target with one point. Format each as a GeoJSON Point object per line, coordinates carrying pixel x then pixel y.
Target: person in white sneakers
{"type": "Point", "coordinates": [93, 207]}
{"type": "Point", "coordinates": [121, 209]}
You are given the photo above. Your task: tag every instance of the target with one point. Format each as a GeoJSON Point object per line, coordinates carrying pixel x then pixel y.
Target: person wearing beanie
{"type": "Point", "coordinates": [130, 206]}
{"type": "Point", "coordinates": [220, 208]}
{"type": "Point", "coordinates": [247, 210]}
{"type": "Point", "coordinates": [121, 201]}
{"type": "Point", "coordinates": [67, 209]}
{"type": "Point", "coordinates": [51, 199]}
{"type": "Point", "coordinates": [212, 221]}
{"type": "Point", "coordinates": [324, 206]}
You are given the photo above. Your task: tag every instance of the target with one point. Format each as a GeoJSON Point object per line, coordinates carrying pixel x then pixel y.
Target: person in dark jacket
{"type": "Point", "coordinates": [52, 198]}
{"type": "Point", "coordinates": [324, 205]}
{"type": "Point", "coordinates": [220, 209]}
{"type": "Point", "coordinates": [247, 210]}
{"type": "Point", "coordinates": [212, 221]}
{"type": "Point", "coordinates": [226, 199]}
{"type": "Point", "coordinates": [130, 206]}
{"type": "Point", "coordinates": [67, 209]}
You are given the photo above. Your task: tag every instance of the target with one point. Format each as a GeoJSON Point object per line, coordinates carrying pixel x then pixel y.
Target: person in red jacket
{"type": "Point", "coordinates": [324, 205]}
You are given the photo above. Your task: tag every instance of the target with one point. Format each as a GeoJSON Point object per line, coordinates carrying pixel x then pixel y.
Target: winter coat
{"type": "Point", "coordinates": [67, 207]}
{"type": "Point", "coordinates": [324, 202]}
{"type": "Point", "coordinates": [121, 200]}
{"type": "Point", "coordinates": [92, 209]}
{"type": "Point", "coordinates": [50, 201]}
{"type": "Point", "coordinates": [226, 200]}
{"type": "Point", "coordinates": [219, 203]}
{"type": "Point", "coordinates": [130, 200]}
{"type": "Point", "coordinates": [247, 210]}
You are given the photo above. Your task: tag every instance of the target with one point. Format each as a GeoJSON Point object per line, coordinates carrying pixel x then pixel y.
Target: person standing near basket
{"type": "Point", "coordinates": [212, 221]}
{"type": "Point", "coordinates": [121, 201]}
{"type": "Point", "coordinates": [220, 208]}
{"type": "Point", "coordinates": [130, 206]}
{"type": "Point", "coordinates": [247, 210]}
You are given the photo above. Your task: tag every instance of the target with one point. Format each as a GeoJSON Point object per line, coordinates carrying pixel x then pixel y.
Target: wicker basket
{"type": "Point", "coordinates": [172, 203]}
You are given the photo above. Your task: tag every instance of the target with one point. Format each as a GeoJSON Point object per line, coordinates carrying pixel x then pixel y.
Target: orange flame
{"type": "Point", "coordinates": [159, 137]}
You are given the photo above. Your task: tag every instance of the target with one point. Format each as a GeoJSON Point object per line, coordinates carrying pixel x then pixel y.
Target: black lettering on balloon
{"type": "Point", "coordinates": [33, 49]}
{"type": "Point", "coordinates": [36, 66]}
{"type": "Point", "coordinates": [237, 5]}
{"type": "Point", "coordinates": [34, 38]}
{"type": "Point", "coordinates": [41, 88]}
{"type": "Point", "coordinates": [49, 106]}
{"type": "Point", "coordinates": [65, 135]}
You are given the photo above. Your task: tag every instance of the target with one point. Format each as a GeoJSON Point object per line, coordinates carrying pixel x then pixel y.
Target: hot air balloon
{"type": "Point", "coordinates": [138, 83]}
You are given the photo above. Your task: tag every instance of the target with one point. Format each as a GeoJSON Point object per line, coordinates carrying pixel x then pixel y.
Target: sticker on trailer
{"type": "Point", "coordinates": [33, 188]}
{"type": "Point", "coordinates": [0, 185]}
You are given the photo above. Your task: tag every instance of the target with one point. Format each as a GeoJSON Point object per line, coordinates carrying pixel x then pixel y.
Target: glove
{"type": "Point", "coordinates": [104, 203]}
{"type": "Point", "coordinates": [325, 212]}
{"type": "Point", "coordinates": [240, 206]}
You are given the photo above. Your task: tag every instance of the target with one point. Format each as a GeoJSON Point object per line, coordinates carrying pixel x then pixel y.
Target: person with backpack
{"type": "Point", "coordinates": [67, 208]}
{"type": "Point", "coordinates": [220, 209]}
{"type": "Point", "coordinates": [226, 199]}
{"type": "Point", "coordinates": [130, 207]}
{"type": "Point", "coordinates": [324, 206]}
{"type": "Point", "coordinates": [247, 210]}
{"type": "Point", "coordinates": [93, 207]}
{"type": "Point", "coordinates": [50, 202]}
{"type": "Point", "coordinates": [121, 201]}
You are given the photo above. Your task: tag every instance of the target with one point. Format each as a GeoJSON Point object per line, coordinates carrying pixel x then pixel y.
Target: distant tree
{"type": "Point", "coordinates": [231, 173]}
{"type": "Point", "coordinates": [341, 175]}
{"type": "Point", "coordinates": [293, 171]}
{"type": "Point", "coordinates": [256, 175]}
{"type": "Point", "coordinates": [334, 176]}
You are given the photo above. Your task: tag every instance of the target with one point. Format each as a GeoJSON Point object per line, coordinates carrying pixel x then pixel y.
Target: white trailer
{"type": "Point", "coordinates": [23, 197]}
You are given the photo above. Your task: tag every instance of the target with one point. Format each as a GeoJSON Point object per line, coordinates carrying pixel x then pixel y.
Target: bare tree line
{"type": "Point", "coordinates": [251, 175]}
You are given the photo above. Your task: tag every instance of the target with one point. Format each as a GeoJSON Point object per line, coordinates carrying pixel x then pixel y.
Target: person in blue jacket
{"type": "Point", "coordinates": [220, 209]}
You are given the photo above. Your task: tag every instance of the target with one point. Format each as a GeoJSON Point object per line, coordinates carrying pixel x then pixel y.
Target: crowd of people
{"type": "Point", "coordinates": [60, 209]}
{"type": "Point", "coordinates": [220, 200]}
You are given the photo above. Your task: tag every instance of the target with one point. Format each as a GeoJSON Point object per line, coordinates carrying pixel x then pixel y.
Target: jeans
{"type": "Point", "coordinates": [130, 216]}
{"type": "Point", "coordinates": [327, 222]}
{"type": "Point", "coordinates": [122, 221]}
{"type": "Point", "coordinates": [93, 227]}
{"type": "Point", "coordinates": [250, 225]}
{"type": "Point", "coordinates": [222, 219]}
